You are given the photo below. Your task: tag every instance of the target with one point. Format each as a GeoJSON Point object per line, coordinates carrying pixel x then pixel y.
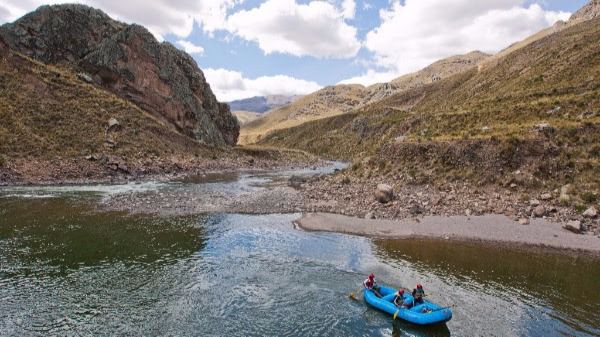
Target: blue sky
{"type": "Point", "coordinates": [259, 47]}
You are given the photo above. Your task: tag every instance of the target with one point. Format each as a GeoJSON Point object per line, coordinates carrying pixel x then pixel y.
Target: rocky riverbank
{"type": "Point", "coordinates": [488, 228]}
{"type": "Point", "coordinates": [275, 192]}
{"type": "Point", "coordinates": [102, 168]}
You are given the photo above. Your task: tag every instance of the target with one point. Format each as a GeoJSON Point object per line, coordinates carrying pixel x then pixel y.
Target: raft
{"type": "Point", "coordinates": [435, 315]}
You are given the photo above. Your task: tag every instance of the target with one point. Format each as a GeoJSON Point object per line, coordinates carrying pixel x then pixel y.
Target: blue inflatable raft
{"type": "Point", "coordinates": [427, 313]}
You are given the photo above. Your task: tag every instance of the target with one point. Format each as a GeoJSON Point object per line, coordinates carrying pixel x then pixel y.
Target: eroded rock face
{"type": "Point", "coordinates": [129, 61]}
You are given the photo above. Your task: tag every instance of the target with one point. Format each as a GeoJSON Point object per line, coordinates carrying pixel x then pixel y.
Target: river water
{"type": "Point", "coordinates": [69, 269]}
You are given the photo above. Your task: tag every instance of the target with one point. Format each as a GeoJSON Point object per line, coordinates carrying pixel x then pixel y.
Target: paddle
{"type": "Point", "coordinates": [353, 296]}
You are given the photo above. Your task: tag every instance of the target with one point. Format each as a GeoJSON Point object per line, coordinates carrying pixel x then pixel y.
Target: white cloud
{"type": "Point", "coordinates": [315, 29]}
{"type": "Point", "coordinates": [230, 85]}
{"type": "Point", "coordinates": [348, 9]}
{"type": "Point", "coordinates": [420, 32]}
{"type": "Point", "coordinates": [371, 77]}
{"type": "Point", "coordinates": [190, 48]}
{"type": "Point", "coordinates": [159, 16]}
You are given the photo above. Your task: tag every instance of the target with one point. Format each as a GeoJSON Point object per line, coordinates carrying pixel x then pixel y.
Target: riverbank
{"type": "Point", "coordinates": [102, 168]}
{"type": "Point", "coordinates": [487, 228]}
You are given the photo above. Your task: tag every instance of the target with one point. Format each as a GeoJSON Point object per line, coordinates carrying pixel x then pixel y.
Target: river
{"type": "Point", "coordinates": [69, 268]}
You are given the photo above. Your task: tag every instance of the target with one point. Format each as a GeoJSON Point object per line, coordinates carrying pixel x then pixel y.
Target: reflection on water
{"type": "Point", "coordinates": [542, 292]}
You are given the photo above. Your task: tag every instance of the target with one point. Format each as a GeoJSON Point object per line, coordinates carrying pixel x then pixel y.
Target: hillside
{"type": "Point", "coordinates": [245, 117]}
{"type": "Point", "coordinates": [534, 112]}
{"type": "Point", "coordinates": [128, 61]}
{"type": "Point", "coordinates": [340, 99]}
{"type": "Point", "coordinates": [260, 104]}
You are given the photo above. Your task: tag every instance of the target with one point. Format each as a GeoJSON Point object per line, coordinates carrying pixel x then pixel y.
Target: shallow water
{"type": "Point", "coordinates": [67, 269]}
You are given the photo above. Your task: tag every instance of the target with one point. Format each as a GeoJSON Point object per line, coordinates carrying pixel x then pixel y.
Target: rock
{"type": "Point", "coordinates": [523, 221]}
{"type": "Point", "coordinates": [534, 202]}
{"type": "Point", "coordinates": [565, 192]}
{"type": "Point", "coordinates": [296, 181]}
{"type": "Point", "coordinates": [113, 124]}
{"type": "Point", "coordinates": [370, 215]}
{"type": "Point", "coordinates": [384, 193]}
{"type": "Point", "coordinates": [85, 77]}
{"type": "Point", "coordinates": [128, 61]}
{"type": "Point", "coordinates": [574, 226]}
{"type": "Point", "coordinates": [544, 127]}
{"type": "Point", "coordinates": [590, 213]}
{"type": "Point", "coordinates": [468, 212]}
{"type": "Point", "coordinates": [539, 211]}
{"type": "Point", "coordinates": [546, 196]}
{"type": "Point", "coordinates": [415, 209]}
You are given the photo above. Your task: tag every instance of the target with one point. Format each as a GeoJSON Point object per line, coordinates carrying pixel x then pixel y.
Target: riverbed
{"type": "Point", "coordinates": [70, 266]}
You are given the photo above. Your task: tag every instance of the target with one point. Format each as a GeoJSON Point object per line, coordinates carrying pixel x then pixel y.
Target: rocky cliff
{"type": "Point", "coordinates": [129, 61]}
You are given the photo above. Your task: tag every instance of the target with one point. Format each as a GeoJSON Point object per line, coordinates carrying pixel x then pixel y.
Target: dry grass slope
{"type": "Point", "coordinates": [481, 124]}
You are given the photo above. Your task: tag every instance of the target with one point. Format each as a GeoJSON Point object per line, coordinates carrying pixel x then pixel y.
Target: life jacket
{"type": "Point", "coordinates": [369, 284]}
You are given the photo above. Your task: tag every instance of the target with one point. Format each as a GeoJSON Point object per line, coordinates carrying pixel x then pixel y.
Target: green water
{"type": "Point", "coordinates": [68, 269]}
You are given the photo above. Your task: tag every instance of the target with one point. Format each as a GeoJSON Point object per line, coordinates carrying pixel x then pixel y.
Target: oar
{"type": "Point", "coordinates": [396, 315]}
{"type": "Point", "coordinates": [353, 296]}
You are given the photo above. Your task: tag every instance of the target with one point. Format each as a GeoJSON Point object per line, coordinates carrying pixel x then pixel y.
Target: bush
{"type": "Point", "coordinates": [589, 197]}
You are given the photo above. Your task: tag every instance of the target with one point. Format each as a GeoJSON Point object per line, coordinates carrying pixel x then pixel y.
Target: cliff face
{"type": "Point", "coordinates": [129, 61]}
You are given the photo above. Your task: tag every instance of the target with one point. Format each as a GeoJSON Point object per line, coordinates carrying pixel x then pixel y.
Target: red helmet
{"type": "Point", "coordinates": [371, 276]}
{"type": "Point", "coordinates": [401, 292]}
{"type": "Point", "coordinates": [419, 286]}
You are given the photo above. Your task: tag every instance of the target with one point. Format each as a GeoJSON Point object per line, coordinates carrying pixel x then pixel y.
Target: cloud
{"type": "Point", "coordinates": [348, 9]}
{"type": "Point", "coordinates": [283, 26]}
{"type": "Point", "coordinates": [161, 17]}
{"type": "Point", "coordinates": [420, 32]}
{"type": "Point", "coordinates": [371, 77]}
{"type": "Point", "coordinates": [190, 48]}
{"type": "Point", "coordinates": [229, 85]}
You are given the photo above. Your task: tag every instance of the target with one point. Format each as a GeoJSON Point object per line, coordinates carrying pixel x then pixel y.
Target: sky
{"type": "Point", "coordinates": [294, 47]}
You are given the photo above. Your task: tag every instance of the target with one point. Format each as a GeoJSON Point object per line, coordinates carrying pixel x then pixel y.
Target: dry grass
{"type": "Point", "coordinates": [552, 80]}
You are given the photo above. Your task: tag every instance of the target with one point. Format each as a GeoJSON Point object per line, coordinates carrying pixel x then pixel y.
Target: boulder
{"type": "Point", "coordinates": [574, 226]}
{"type": "Point", "coordinates": [539, 211]}
{"type": "Point", "coordinates": [523, 221]}
{"type": "Point", "coordinates": [534, 202]}
{"type": "Point", "coordinates": [113, 124]}
{"type": "Point", "coordinates": [590, 213]}
{"type": "Point", "coordinates": [546, 196]}
{"type": "Point", "coordinates": [370, 215]}
{"type": "Point", "coordinates": [296, 181]}
{"type": "Point", "coordinates": [384, 193]}
{"type": "Point", "coordinates": [85, 77]}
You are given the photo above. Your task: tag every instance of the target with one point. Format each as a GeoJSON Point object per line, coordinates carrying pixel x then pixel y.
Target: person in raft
{"type": "Point", "coordinates": [399, 300]}
{"type": "Point", "coordinates": [371, 284]}
{"type": "Point", "coordinates": [418, 294]}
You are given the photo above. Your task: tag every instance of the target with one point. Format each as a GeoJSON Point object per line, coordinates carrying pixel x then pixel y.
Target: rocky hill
{"type": "Point", "coordinates": [341, 99]}
{"type": "Point", "coordinates": [261, 104]}
{"type": "Point", "coordinates": [128, 61]}
{"type": "Point", "coordinates": [530, 120]}
{"type": "Point", "coordinates": [245, 117]}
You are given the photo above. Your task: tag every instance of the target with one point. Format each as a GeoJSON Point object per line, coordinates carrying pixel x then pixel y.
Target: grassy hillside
{"type": "Point", "coordinates": [340, 99]}
{"type": "Point", "coordinates": [537, 110]}
{"type": "Point", "coordinates": [324, 103]}
{"type": "Point", "coordinates": [48, 112]}
{"type": "Point", "coordinates": [245, 117]}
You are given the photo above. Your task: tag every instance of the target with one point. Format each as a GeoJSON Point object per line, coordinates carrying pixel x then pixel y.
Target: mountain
{"type": "Point", "coordinates": [128, 61]}
{"type": "Point", "coordinates": [535, 111]}
{"type": "Point", "coordinates": [340, 99]}
{"type": "Point", "coordinates": [261, 104]}
{"type": "Point", "coordinates": [245, 117]}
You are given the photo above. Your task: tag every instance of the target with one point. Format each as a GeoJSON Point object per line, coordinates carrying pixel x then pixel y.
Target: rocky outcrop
{"type": "Point", "coordinates": [587, 12]}
{"type": "Point", "coordinates": [129, 61]}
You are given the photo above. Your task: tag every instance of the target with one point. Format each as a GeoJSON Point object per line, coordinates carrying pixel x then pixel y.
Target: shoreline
{"type": "Point", "coordinates": [487, 229]}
